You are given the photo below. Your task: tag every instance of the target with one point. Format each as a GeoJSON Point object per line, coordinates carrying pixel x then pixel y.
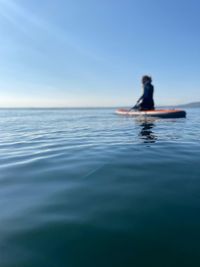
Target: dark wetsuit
{"type": "Point", "coordinates": [146, 100]}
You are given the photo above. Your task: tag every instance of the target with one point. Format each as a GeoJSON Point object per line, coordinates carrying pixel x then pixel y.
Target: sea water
{"type": "Point", "coordinates": [86, 187]}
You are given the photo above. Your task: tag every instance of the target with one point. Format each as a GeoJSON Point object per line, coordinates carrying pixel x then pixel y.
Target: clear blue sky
{"type": "Point", "coordinates": [93, 53]}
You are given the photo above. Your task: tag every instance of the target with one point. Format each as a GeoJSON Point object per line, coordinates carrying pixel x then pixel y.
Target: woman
{"type": "Point", "coordinates": [146, 102]}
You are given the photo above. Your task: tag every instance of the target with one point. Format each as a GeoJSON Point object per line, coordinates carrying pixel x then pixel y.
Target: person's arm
{"type": "Point", "coordinates": [137, 103]}
{"type": "Point", "coordinates": [145, 94]}
{"type": "Point", "coordinates": [140, 99]}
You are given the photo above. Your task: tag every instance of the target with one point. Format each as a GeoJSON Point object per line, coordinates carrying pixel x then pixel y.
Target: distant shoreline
{"type": "Point", "coordinates": [188, 105]}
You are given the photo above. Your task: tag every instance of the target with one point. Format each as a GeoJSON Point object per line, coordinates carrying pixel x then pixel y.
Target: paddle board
{"type": "Point", "coordinates": [160, 113]}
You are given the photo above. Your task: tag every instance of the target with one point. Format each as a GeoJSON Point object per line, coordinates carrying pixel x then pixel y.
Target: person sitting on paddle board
{"type": "Point", "coordinates": [146, 102]}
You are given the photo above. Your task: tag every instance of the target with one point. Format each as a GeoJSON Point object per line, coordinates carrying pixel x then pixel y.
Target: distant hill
{"type": "Point", "coordinates": [190, 105]}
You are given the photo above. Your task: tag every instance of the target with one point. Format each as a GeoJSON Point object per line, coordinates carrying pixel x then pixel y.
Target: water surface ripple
{"type": "Point", "coordinates": [85, 187]}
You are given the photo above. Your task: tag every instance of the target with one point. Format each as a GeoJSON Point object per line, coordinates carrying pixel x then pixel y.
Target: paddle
{"type": "Point", "coordinates": [134, 107]}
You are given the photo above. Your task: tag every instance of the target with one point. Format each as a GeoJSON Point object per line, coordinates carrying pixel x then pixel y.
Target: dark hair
{"type": "Point", "coordinates": [146, 78]}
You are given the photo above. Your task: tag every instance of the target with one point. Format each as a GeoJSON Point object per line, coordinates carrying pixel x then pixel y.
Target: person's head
{"type": "Point", "coordinates": [146, 79]}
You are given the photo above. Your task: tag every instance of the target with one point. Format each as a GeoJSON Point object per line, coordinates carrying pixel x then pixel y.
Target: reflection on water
{"type": "Point", "coordinates": [77, 188]}
{"type": "Point", "coordinates": [147, 133]}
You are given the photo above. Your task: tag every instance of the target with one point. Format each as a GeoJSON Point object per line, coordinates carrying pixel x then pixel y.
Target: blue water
{"type": "Point", "coordinates": [85, 187]}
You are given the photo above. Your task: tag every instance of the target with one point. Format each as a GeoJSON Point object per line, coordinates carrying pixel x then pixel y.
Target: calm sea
{"type": "Point", "coordinates": [85, 187]}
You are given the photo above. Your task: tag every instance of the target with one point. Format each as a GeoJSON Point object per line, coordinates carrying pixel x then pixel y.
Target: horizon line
{"type": "Point", "coordinates": [90, 107]}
